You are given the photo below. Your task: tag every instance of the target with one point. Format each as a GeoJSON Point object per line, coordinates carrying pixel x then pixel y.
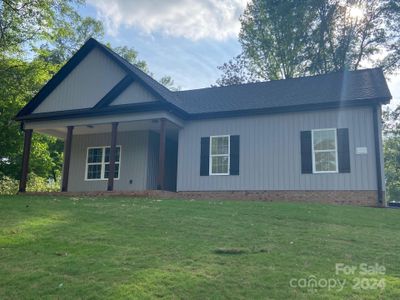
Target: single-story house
{"type": "Point", "coordinates": [313, 138]}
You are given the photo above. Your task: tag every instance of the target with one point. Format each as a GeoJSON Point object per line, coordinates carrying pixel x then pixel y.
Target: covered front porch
{"type": "Point", "coordinates": [139, 149]}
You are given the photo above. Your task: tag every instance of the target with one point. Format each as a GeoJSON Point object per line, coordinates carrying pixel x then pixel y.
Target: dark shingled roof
{"type": "Point", "coordinates": [367, 84]}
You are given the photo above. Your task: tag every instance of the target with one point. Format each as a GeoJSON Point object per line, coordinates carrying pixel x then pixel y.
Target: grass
{"type": "Point", "coordinates": [121, 248]}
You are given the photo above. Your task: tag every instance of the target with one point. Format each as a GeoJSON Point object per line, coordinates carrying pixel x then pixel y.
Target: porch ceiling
{"type": "Point", "coordinates": [58, 128]}
{"type": "Point", "coordinates": [148, 125]}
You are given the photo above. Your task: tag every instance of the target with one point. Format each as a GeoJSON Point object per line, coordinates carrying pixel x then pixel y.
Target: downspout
{"type": "Point", "coordinates": [377, 154]}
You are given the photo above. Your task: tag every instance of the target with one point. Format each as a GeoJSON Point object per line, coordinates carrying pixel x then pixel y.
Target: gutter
{"type": "Point", "coordinates": [377, 154]}
{"type": "Point", "coordinates": [153, 106]}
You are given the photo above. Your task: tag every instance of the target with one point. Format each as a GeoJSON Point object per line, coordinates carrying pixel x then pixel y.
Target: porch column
{"type": "Point", "coordinates": [25, 160]}
{"type": "Point", "coordinates": [67, 158]}
{"type": "Point", "coordinates": [161, 156]}
{"type": "Point", "coordinates": [111, 170]}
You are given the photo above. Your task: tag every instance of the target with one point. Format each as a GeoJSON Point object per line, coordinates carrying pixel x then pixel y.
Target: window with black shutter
{"type": "Point", "coordinates": [343, 150]}
{"type": "Point", "coordinates": [219, 155]}
{"type": "Point", "coordinates": [205, 156]}
{"type": "Point", "coordinates": [325, 151]}
{"type": "Point", "coordinates": [306, 152]}
{"type": "Point", "coordinates": [234, 154]}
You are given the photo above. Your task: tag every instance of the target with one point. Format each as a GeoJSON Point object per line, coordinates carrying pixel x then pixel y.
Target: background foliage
{"type": "Point", "coordinates": [292, 38]}
{"type": "Point", "coordinates": [391, 150]}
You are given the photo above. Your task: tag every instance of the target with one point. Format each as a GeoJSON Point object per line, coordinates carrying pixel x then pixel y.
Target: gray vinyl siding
{"type": "Point", "coordinates": [134, 153]}
{"type": "Point", "coordinates": [270, 152]}
{"type": "Point", "coordinates": [135, 93]}
{"type": "Point", "coordinates": [152, 171]}
{"type": "Point", "coordinates": [90, 81]}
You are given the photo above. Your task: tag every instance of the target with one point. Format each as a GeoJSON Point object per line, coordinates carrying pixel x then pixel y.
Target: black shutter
{"type": "Point", "coordinates": [234, 154]}
{"type": "Point", "coordinates": [306, 152]}
{"type": "Point", "coordinates": [205, 156]}
{"type": "Point", "coordinates": [343, 150]}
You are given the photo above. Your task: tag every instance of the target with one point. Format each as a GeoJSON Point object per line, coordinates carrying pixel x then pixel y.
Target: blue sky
{"type": "Point", "coordinates": [185, 39]}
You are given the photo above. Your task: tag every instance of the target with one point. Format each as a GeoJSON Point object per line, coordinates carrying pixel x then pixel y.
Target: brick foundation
{"type": "Point", "coordinates": [361, 198]}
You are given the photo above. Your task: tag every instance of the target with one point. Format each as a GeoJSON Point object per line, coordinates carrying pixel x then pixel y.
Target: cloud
{"type": "Point", "coordinates": [190, 19]}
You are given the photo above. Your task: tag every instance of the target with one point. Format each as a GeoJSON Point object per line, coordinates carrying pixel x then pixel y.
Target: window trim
{"type": "Point", "coordinates": [313, 152]}
{"type": "Point", "coordinates": [215, 155]}
{"type": "Point", "coordinates": [102, 163]}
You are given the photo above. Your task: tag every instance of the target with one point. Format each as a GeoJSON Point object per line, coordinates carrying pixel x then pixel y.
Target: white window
{"type": "Point", "coordinates": [219, 155]}
{"type": "Point", "coordinates": [324, 146]}
{"type": "Point", "coordinates": [98, 163]}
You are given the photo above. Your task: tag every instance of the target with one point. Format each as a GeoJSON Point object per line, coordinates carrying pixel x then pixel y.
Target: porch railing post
{"type": "Point", "coordinates": [111, 170]}
{"type": "Point", "coordinates": [67, 158]}
{"type": "Point", "coordinates": [25, 160]}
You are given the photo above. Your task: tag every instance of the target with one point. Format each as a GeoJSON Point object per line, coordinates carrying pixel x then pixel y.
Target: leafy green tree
{"type": "Point", "coordinates": [391, 148]}
{"type": "Point", "coordinates": [24, 22]}
{"type": "Point", "coordinates": [275, 35]}
{"type": "Point", "coordinates": [392, 60]}
{"type": "Point", "coordinates": [284, 39]}
{"type": "Point", "coordinates": [168, 82]}
{"type": "Point", "coordinates": [236, 71]}
{"type": "Point", "coordinates": [132, 56]}
{"type": "Point", "coordinates": [69, 35]}
{"type": "Point", "coordinates": [349, 33]}
{"type": "Point", "coordinates": [17, 85]}
{"type": "Point", "coordinates": [56, 27]}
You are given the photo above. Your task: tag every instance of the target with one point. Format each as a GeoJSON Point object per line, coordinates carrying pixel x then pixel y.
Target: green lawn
{"type": "Point", "coordinates": [72, 248]}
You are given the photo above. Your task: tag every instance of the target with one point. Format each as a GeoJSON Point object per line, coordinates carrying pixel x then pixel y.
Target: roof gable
{"type": "Point", "coordinates": [134, 93]}
{"type": "Point", "coordinates": [60, 91]}
{"type": "Point", "coordinates": [85, 85]}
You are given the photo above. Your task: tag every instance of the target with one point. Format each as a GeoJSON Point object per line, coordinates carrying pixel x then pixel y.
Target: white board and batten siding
{"type": "Point", "coordinates": [270, 157]}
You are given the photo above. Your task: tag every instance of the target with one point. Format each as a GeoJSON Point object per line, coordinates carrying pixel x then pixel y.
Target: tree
{"type": "Point", "coordinates": [169, 83]}
{"type": "Point", "coordinates": [57, 28]}
{"type": "Point", "coordinates": [17, 85]}
{"type": "Point", "coordinates": [350, 33]}
{"type": "Point", "coordinates": [236, 71]}
{"type": "Point", "coordinates": [275, 35]}
{"type": "Point", "coordinates": [132, 56]}
{"type": "Point", "coordinates": [23, 22]}
{"type": "Point", "coordinates": [392, 60]}
{"type": "Point", "coordinates": [69, 35]}
{"type": "Point", "coordinates": [284, 39]}
{"type": "Point", "coordinates": [391, 150]}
